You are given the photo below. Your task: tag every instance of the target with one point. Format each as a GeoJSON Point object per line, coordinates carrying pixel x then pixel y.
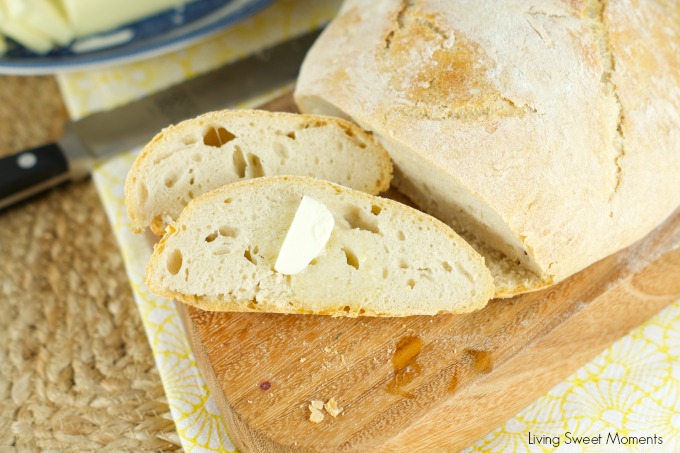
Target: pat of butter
{"type": "Point", "coordinates": [29, 37]}
{"type": "Point", "coordinates": [92, 16]}
{"type": "Point", "coordinates": [307, 236]}
{"type": "Point", "coordinates": [43, 15]}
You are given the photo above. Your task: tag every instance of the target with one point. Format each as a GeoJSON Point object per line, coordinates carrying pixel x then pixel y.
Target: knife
{"type": "Point", "coordinates": [104, 134]}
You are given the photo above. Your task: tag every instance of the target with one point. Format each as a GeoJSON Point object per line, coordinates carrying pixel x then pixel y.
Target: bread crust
{"type": "Point", "coordinates": [560, 117]}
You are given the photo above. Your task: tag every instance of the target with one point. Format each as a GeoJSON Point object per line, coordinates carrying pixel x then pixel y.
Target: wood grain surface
{"type": "Point", "coordinates": [422, 383]}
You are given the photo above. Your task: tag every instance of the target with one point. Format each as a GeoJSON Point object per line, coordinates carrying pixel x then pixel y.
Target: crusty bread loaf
{"type": "Point", "coordinates": [549, 130]}
{"type": "Point", "coordinates": [382, 259]}
{"type": "Point", "coordinates": [218, 148]}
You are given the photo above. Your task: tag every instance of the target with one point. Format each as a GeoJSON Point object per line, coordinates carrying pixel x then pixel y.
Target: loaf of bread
{"type": "Point", "coordinates": [215, 149]}
{"type": "Point", "coordinates": [546, 131]}
{"type": "Point", "coordinates": [382, 258]}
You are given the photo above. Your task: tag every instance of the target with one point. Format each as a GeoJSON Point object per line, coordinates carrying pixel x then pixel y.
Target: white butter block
{"type": "Point", "coordinates": [43, 15]}
{"type": "Point", "coordinates": [89, 16]}
{"type": "Point", "coordinates": [26, 35]}
{"type": "Point", "coordinates": [15, 8]}
{"type": "Point", "coordinates": [306, 238]}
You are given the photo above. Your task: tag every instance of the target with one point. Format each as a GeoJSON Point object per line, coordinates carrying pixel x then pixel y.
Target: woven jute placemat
{"type": "Point", "coordinates": [76, 371]}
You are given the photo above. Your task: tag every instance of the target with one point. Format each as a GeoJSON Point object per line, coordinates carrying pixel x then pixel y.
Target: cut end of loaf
{"type": "Point", "coordinates": [382, 258]}
{"type": "Point", "coordinates": [219, 148]}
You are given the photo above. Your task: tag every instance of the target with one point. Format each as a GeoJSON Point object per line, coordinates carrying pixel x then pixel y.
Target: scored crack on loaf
{"type": "Point", "coordinates": [546, 130]}
{"type": "Point", "coordinates": [219, 148]}
{"type": "Point", "coordinates": [382, 259]}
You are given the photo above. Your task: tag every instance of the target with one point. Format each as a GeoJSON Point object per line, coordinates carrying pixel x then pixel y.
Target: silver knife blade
{"type": "Point", "coordinates": [133, 124]}
{"type": "Point", "coordinates": [105, 134]}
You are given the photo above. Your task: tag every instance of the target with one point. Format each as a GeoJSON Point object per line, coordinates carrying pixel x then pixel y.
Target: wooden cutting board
{"type": "Point", "coordinates": [422, 383]}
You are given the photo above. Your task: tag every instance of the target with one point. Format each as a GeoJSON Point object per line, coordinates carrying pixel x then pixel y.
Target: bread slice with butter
{"type": "Point", "coordinates": [381, 258]}
{"type": "Point", "coordinates": [219, 148]}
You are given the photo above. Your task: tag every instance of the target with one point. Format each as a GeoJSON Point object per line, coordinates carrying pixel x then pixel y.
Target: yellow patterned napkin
{"type": "Point", "coordinates": [630, 391]}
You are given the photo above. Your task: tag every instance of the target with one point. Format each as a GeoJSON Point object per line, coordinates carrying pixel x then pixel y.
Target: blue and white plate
{"type": "Point", "coordinates": [161, 33]}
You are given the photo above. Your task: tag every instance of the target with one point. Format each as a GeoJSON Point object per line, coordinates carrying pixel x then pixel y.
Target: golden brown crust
{"type": "Point", "coordinates": [560, 117]}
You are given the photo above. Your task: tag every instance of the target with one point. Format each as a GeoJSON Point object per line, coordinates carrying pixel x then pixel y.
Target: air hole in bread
{"type": "Point", "coordinates": [314, 262]}
{"type": "Point", "coordinates": [403, 264]}
{"type": "Point", "coordinates": [170, 180]}
{"type": "Point", "coordinates": [351, 258]}
{"type": "Point", "coordinates": [347, 309]}
{"type": "Point", "coordinates": [239, 162]}
{"type": "Point", "coordinates": [375, 209]}
{"type": "Point", "coordinates": [401, 236]}
{"type": "Point", "coordinates": [411, 283]}
{"type": "Point", "coordinates": [252, 304]}
{"type": "Point", "coordinates": [227, 200]}
{"type": "Point", "coordinates": [186, 274]}
{"type": "Point", "coordinates": [281, 150]}
{"type": "Point", "coordinates": [386, 273]}
{"type": "Point", "coordinates": [464, 271]}
{"type": "Point", "coordinates": [174, 262]}
{"type": "Point", "coordinates": [291, 135]}
{"type": "Point", "coordinates": [191, 195]}
{"type": "Point", "coordinates": [447, 266]}
{"type": "Point", "coordinates": [197, 157]}
{"type": "Point", "coordinates": [256, 166]}
{"type": "Point", "coordinates": [211, 237]}
{"type": "Point", "coordinates": [192, 181]}
{"type": "Point", "coordinates": [357, 219]}
{"type": "Point", "coordinates": [362, 145]}
{"type": "Point", "coordinates": [217, 137]}
{"type": "Point", "coordinates": [143, 193]}
{"type": "Point", "coordinates": [250, 256]}
{"type": "Point", "coordinates": [228, 231]}
{"type": "Point", "coordinates": [189, 140]}
{"type": "Point", "coordinates": [362, 311]}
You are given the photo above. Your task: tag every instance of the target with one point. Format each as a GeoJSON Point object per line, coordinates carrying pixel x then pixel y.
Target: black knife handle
{"type": "Point", "coordinates": [30, 172]}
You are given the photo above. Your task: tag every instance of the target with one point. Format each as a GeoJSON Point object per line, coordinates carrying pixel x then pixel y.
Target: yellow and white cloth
{"type": "Point", "coordinates": [632, 388]}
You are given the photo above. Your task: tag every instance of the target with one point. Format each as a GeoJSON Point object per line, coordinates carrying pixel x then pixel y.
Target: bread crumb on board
{"type": "Point", "coordinates": [317, 406]}
{"type": "Point", "coordinates": [332, 408]}
{"type": "Point", "coordinates": [316, 415]}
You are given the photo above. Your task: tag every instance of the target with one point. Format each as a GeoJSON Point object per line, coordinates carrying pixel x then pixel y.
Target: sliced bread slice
{"type": "Point", "coordinates": [219, 148]}
{"type": "Point", "coordinates": [382, 258]}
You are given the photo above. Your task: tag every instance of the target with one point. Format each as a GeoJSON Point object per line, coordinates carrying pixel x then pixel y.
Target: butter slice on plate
{"type": "Point", "coordinates": [306, 238]}
{"type": "Point", "coordinates": [92, 16]}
